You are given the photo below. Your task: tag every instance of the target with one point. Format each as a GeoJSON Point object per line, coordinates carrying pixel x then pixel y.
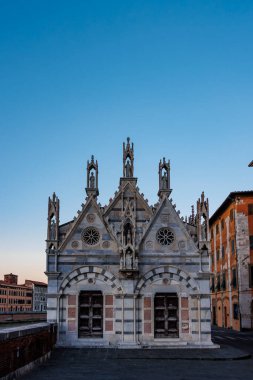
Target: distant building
{"type": "Point", "coordinates": [39, 290]}
{"type": "Point", "coordinates": [14, 297]}
{"type": "Point", "coordinates": [231, 257]}
{"type": "Point", "coordinates": [129, 274]}
{"type": "Point", "coordinates": [30, 296]}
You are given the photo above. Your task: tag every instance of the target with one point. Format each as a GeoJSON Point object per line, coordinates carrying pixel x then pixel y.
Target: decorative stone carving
{"type": "Point", "coordinates": [128, 159]}
{"type": "Point", "coordinates": [91, 218]}
{"type": "Point", "coordinates": [182, 244]}
{"type": "Point", "coordinates": [75, 244]}
{"type": "Point", "coordinates": [106, 244]}
{"type": "Point", "coordinates": [166, 281]}
{"type": "Point", "coordinates": [92, 178]}
{"type": "Point", "coordinates": [165, 236]}
{"type": "Point", "coordinates": [165, 218]}
{"type": "Point", "coordinates": [92, 181]}
{"type": "Point", "coordinates": [53, 230]}
{"type": "Point", "coordinates": [90, 236]}
{"type": "Point", "coordinates": [149, 244]}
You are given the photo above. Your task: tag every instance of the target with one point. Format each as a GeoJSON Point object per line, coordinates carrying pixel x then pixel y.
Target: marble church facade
{"type": "Point", "coordinates": [129, 274]}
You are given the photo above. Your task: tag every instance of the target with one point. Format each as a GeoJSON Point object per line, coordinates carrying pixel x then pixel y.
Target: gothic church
{"type": "Point", "coordinates": [129, 274]}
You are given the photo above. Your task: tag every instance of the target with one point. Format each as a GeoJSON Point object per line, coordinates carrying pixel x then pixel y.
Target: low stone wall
{"type": "Point", "coordinates": [23, 316]}
{"type": "Point", "coordinates": [23, 347]}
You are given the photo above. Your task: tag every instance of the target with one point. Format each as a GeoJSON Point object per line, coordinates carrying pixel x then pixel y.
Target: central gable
{"type": "Point", "coordinates": [128, 204]}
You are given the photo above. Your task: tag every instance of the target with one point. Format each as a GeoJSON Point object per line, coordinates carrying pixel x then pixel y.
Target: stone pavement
{"type": "Point", "coordinates": [112, 364]}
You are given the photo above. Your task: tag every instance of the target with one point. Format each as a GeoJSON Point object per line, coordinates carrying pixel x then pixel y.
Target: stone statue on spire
{"type": "Point", "coordinates": [92, 178]}
{"type": "Point", "coordinates": [128, 159]}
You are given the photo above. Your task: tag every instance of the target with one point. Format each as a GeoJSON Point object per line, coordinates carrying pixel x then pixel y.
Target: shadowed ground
{"type": "Point", "coordinates": [96, 364]}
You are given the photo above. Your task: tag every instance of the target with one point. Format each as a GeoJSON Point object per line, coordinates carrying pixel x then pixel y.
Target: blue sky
{"type": "Point", "coordinates": [78, 77]}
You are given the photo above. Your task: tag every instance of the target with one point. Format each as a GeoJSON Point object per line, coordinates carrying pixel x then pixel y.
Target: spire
{"type": "Point", "coordinates": [92, 178]}
{"type": "Point", "coordinates": [202, 219]}
{"type": "Point", "coordinates": [53, 222]}
{"type": "Point", "coordinates": [128, 159]}
{"type": "Point", "coordinates": [164, 178]}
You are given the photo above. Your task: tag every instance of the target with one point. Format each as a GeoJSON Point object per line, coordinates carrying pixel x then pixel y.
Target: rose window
{"type": "Point", "coordinates": [90, 236]}
{"type": "Point", "coordinates": [165, 236]}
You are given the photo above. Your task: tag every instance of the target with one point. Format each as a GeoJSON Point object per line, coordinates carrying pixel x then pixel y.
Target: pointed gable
{"type": "Point", "coordinates": [89, 231]}
{"type": "Point", "coordinates": [166, 232]}
{"type": "Point", "coordinates": [128, 200]}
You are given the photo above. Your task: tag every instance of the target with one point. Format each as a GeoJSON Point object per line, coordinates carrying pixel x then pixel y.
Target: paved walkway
{"type": "Point", "coordinates": [112, 364]}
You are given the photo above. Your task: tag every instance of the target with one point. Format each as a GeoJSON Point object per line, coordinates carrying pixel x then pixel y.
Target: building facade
{"type": "Point", "coordinates": [39, 292]}
{"type": "Point", "coordinates": [232, 262]}
{"type": "Point", "coordinates": [129, 274]}
{"type": "Point", "coordinates": [14, 297]}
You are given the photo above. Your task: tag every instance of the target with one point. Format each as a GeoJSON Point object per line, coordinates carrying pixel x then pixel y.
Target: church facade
{"type": "Point", "coordinates": [129, 274]}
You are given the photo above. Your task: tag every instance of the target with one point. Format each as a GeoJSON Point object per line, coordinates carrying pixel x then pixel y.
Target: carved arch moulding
{"type": "Point", "coordinates": [174, 273]}
{"type": "Point", "coordinates": [91, 272]}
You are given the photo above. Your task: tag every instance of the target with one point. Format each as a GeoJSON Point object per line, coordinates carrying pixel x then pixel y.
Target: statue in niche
{"type": "Point", "coordinates": [165, 181]}
{"type": "Point", "coordinates": [128, 235]}
{"type": "Point", "coordinates": [121, 262]}
{"type": "Point", "coordinates": [53, 230]}
{"type": "Point", "coordinates": [52, 250]}
{"type": "Point", "coordinates": [136, 261]}
{"type": "Point", "coordinates": [128, 169]}
{"type": "Point", "coordinates": [204, 230]}
{"type": "Point", "coordinates": [92, 181]}
{"type": "Point", "coordinates": [129, 260]}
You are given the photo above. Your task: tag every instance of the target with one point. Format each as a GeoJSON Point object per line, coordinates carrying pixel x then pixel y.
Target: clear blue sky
{"type": "Point", "coordinates": [78, 77]}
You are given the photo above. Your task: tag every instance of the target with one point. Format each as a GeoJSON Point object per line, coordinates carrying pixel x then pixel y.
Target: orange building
{"type": "Point", "coordinates": [14, 297]}
{"type": "Point", "coordinates": [231, 263]}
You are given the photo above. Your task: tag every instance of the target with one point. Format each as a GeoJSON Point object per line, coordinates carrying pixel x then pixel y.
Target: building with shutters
{"type": "Point", "coordinates": [14, 297]}
{"type": "Point", "coordinates": [39, 292]}
{"type": "Point", "coordinates": [129, 274]}
{"type": "Point", "coordinates": [231, 258]}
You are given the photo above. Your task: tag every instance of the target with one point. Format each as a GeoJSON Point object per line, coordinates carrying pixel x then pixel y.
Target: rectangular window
{"type": "Point", "coordinates": [222, 224]}
{"type": "Point", "coordinates": [217, 228]}
{"type": "Point", "coordinates": [232, 246]}
{"type": "Point", "coordinates": [211, 233]}
{"type": "Point", "coordinates": [234, 278]}
{"type": "Point", "coordinates": [223, 283]}
{"type": "Point", "coordinates": [90, 314]}
{"type": "Point", "coordinates": [251, 275]}
{"type": "Point", "coordinates": [235, 311]}
{"type": "Point", "coordinates": [218, 283]}
{"type": "Point", "coordinates": [231, 215]}
{"type": "Point", "coordinates": [212, 285]}
{"type": "Point", "coordinates": [251, 242]}
{"type": "Point", "coordinates": [223, 252]}
{"type": "Point", "coordinates": [250, 209]}
{"type": "Point", "coordinates": [218, 255]}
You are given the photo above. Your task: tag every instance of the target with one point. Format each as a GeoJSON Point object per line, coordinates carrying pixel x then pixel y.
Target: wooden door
{"type": "Point", "coordinates": [166, 315]}
{"type": "Point", "coordinates": [90, 314]}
